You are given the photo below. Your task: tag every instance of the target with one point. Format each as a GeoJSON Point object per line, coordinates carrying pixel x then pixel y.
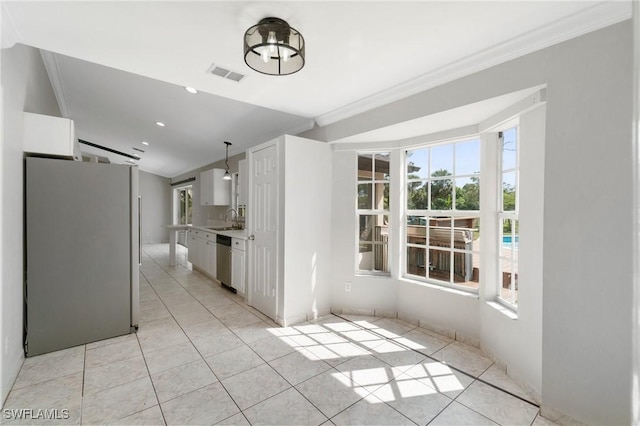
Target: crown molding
{"type": "Point", "coordinates": [53, 70]}
{"type": "Point", "coordinates": [9, 35]}
{"type": "Point", "coordinates": [591, 19]}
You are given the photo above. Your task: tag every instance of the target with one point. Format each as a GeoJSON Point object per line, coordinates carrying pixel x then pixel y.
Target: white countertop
{"type": "Point", "coordinates": [236, 233]}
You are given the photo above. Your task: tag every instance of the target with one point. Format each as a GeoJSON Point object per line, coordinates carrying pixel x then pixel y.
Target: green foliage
{"type": "Point", "coordinates": [467, 196]}
{"type": "Point", "coordinates": [508, 198]}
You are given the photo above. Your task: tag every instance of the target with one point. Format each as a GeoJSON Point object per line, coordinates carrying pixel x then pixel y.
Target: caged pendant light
{"type": "Point", "coordinates": [226, 176]}
{"type": "Point", "coordinates": [273, 47]}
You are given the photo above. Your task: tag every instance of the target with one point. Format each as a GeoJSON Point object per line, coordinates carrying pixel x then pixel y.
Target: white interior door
{"type": "Point", "coordinates": [263, 217]}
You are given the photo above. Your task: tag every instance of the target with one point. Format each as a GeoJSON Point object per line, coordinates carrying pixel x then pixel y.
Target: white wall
{"type": "Point", "coordinates": [585, 337]}
{"type": "Point", "coordinates": [307, 233]}
{"type": "Point", "coordinates": [25, 87]}
{"type": "Point", "coordinates": [156, 208]}
{"type": "Point", "coordinates": [588, 223]}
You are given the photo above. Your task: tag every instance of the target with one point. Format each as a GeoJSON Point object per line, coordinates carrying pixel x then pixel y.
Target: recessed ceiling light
{"type": "Point", "coordinates": [145, 143]}
{"type": "Point", "coordinates": [191, 90]}
{"type": "Point", "coordinates": [159, 123]}
{"type": "Point", "coordinates": [136, 155]}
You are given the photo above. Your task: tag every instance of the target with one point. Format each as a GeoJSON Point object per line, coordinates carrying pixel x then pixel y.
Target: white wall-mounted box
{"type": "Point", "coordinates": [50, 136]}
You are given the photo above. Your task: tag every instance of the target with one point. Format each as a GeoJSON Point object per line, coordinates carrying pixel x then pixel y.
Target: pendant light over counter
{"type": "Point", "coordinates": [273, 47]}
{"type": "Point", "coordinates": [226, 176]}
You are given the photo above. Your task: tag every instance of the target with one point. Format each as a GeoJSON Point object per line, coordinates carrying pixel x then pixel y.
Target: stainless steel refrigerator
{"type": "Point", "coordinates": [82, 252]}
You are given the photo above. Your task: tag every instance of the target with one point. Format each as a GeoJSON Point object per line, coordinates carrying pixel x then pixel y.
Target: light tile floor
{"type": "Point", "coordinates": [202, 356]}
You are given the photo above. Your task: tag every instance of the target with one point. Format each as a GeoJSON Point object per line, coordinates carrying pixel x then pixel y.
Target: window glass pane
{"type": "Point", "coordinates": [440, 232]}
{"type": "Point", "coordinates": [442, 160]}
{"type": "Point", "coordinates": [365, 166]}
{"type": "Point", "coordinates": [382, 166]}
{"type": "Point", "coordinates": [365, 195]}
{"type": "Point", "coordinates": [510, 239]}
{"type": "Point", "coordinates": [182, 219]}
{"type": "Point", "coordinates": [468, 158]}
{"type": "Point", "coordinates": [374, 227]}
{"type": "Point", "coordinates": [416, 230]}
{"type": "Point", "coordinates": [367, 223]}
{"type": "Point", "coordinates": [468, 193]}
{"type": "Point", "coordinates": [509, 149]}
{"type": "Point", "coordinates": [440, 264]}
{"type": "Point", "coordinates": [463, 269]}
{"type": "Point", "coordinates": [441, 194]}
{"type": "Point", "coordinates": [381, 200]}
{"type": "Point", "coordinates": [417, 196]}
{"type": "Point", "coordinates": [418, 164]}
{"type": "Point", "coordinates": [373, 246]}
{"type": "Point", "coordinates": [509, 290]}
{"type": "Point", "coordinates": [189, 205]}
{"type": "Point", "coordinates": [509, 191]}
{"type": "Point", "coordinates": [417, 261]}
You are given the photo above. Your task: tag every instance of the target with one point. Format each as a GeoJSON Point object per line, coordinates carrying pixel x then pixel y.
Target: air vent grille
{"type": "Point", "coordinates": [225, 73]}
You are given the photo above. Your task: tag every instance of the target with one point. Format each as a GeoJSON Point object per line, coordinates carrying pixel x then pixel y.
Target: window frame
{"type": "Point", "coordinates": [361, 212]}
{"type": "Point", "coordinates": [438, 214]}
{"type": "Point", "coordinates": [177, 213]}
{"type": "Point", "coordinates": [503, 215]}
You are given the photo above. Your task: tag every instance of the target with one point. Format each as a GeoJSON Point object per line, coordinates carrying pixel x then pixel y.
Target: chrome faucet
{"type": "Point", "coordinates": [236, 224]}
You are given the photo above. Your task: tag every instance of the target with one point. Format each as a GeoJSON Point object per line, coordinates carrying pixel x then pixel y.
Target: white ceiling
{"type": "Point", "coordinates": [119, 66]}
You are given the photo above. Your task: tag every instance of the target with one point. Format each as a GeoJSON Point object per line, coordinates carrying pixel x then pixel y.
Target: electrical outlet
{"type": "Point", "coordinates": [347, 286]}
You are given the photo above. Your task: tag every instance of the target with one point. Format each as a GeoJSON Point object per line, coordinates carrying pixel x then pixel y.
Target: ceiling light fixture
{"type": "Point", "coordinates": [226, 176]}
{"type": "Point", "coordinates": [191, 90]}
{"type": "Point", "coordinates": [145, 143]}
{"type": "Point", "coordinates": [159, 123]}
{"type": "Point", "coordinates": [273, 47]}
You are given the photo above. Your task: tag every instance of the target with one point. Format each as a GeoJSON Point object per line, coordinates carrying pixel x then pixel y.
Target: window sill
{"type": "Point", "coordinates": [504, 310]}
{"type": "Point", "coordinates": [372, 274]}
{"type": "Point", "coordinates": [446, 289]}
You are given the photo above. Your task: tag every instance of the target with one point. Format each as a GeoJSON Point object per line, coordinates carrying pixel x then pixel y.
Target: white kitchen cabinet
{"type": "Point", "coordinates": [202, 251]}
{"type": "Point", "coordinates": [214, 190]}
{"type": "Point", "coordinates": [196, 248]}
{"type": "Point", "coordinates": [191, 246]}
{"type": "Point", "coordinates": [238, 265]}
{"type": "Point", "coordinates": [210, 255]}
{"type": "Point", "coordinates": [43, 134]}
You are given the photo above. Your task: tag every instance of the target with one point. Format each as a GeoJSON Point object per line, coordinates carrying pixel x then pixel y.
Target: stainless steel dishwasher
{"type": "Point", "coordinates": [223, 261]}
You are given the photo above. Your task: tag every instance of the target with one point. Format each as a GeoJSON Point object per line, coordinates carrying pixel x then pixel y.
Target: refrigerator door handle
{"type": "Point", "coordinates": [139, 230]}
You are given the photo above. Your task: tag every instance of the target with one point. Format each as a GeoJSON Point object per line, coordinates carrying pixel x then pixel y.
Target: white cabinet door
{"type": "Point", "coordinates": [238, 270]}
{"type": "Point", "coordinates": [191, 245]}
{"type": "Point", "coordinates": [214, 190]}
{"type": "Point", "coordinates": [206, 187]}
{"type": "Point", "coordinates": [210, 258]}
{"type": "Point", "coordinates": [200, 247]}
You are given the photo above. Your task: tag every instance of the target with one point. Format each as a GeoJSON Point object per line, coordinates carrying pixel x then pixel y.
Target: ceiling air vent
{"type": "Point", "coordinates": [225, 73]}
